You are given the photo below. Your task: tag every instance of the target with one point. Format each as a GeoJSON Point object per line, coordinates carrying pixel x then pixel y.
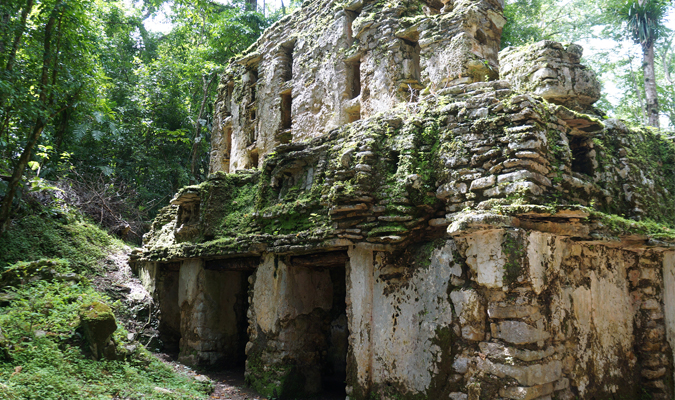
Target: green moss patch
{"type": "Point", "coordinates": [41, 354]}
{"type": "Point", "coordinates": [67, 236]}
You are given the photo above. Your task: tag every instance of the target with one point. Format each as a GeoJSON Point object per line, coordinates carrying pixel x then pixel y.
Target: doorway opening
{"type": "Point", "coordinates": [327, 330]}
{"type": "Point", "coordinates": [581, 158]}
{"type": "Point", "coordinates": [227, 284]}
{"type": "Point", "coordinates": [334, 368]}
{"type": "Point", "coordinates": [169, 310]}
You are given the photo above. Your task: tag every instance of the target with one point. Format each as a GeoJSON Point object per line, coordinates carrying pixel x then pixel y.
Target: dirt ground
{"type": "Point", "coordinates": [229, 384]}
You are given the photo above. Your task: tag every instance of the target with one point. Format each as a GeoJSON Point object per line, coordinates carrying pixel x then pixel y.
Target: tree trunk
{"type": "Point", "coordinates": [6, 207]}
{"type": "Point", "coordinates": [40, 122]}
{"type": "Point", "coordinates": [642, 117]}
{"type": "Point", "coordinates": [651, 97]}
{"type": "Point", "coordinates": [197, 136]}
{"type": "Point", "coordinates": [12, 57]}
{"type": "Point", "coordinates": [17, 38]}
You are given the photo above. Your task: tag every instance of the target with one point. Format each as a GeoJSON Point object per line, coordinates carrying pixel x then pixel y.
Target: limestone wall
{"type": "Point", "coordinates": [488, 312]}
{"type": "Point", "coordinates": [332, 63]}
{"type": "Point", "coordinates": [472, 241]}
{"type": "Point", "coordinates": [563, 319]}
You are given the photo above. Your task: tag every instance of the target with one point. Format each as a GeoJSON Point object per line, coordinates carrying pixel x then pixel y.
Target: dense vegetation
{"type": "Point", "coordinates": [43, 354]}
{"type": "Point", "coordinates": [86, 90]}
{"type": "Point", "coordinates": [114, 118]}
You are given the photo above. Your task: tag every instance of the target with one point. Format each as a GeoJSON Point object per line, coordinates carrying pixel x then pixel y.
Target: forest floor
{"type": "Point", "coordinates": [229, 384]}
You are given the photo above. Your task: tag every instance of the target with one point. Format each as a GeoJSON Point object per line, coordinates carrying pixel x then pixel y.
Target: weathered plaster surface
{"type": "Point", "coordinates": [485, 257]}
{"type": "Point", "coordinates": [407, 322]}
{"type": "Point", "coordinates": [282, 293]}
{"type": "Point", "coordinates": [360, 297]}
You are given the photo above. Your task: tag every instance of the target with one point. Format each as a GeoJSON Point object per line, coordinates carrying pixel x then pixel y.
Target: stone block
{"type": "Point", "coordinates": [98, 323]}
{"type": "Point", "coordinates": [650, 275]}
{"type": "Point", "coordinates": [653, 374]}
{"type": "Point", "coordinates": [499, 352]}
{"type": "Point", "coordinates": [483, 183]}
{"type": "Point", "coordinates": [471, 313]}
{"type": "Point", "coordinates": [518, 332]}
{"type": "Point", "coordinates": [451, 189]}
{"type": "Point", "coordinates": [530, 375]}
{"type": "Point", "coordinates": [526, 393]}
{"type": "Point", "coordinates": [511, 311]}
{"type": "Point", "coordinates": [485, 257]}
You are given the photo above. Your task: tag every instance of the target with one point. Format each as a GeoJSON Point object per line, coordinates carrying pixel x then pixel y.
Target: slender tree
{"type": "Point", "coordinates": [642, 21]}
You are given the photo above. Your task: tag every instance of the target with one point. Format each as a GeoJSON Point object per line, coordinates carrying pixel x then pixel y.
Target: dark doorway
{"type": "Point", "coordinates": [226, 283]}
{"type": "Point", "coordinates": [169, 310]}
{"type": "Point", "coordinates": [327, 328]}
{"type": "Point", "coordinates": [334, 368]}
{"type": "Point", "coordinates": [581, 159]}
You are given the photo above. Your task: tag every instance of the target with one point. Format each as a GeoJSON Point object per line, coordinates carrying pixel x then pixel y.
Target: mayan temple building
{"type": "Point", "coordinates": [397, 209]}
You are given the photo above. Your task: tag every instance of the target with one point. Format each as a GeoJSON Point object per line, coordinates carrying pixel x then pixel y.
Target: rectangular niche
{"type": "Point", "coordinates": [354, 79]}
{"type": "Point", "coordinates": [286, 109]}
{"type": "Point", "coordinates": [412, 71]}
{"type": "Point", "coordinates": [287, 60]}
{"type": "Point", "coordinates": [252, 107]}
{"type": "Point", "coordinates": [227, 148]}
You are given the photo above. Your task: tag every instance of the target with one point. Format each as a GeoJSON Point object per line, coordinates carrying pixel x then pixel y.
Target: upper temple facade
{"type": "Point", "coordinates": [332, 63]}
{"type": "Point", "coordinates": [397, 210]}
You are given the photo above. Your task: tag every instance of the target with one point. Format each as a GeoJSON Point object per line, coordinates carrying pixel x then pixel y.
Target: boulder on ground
{"type": "Point", "coordinates": [98, 323]}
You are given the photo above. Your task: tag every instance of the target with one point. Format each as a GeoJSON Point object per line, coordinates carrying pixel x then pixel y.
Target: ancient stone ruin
{"type": "Point", "coordinates": [390, 214]}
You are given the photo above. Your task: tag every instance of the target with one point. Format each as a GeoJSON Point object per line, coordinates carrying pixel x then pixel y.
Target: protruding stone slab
{"type": "Point", "coordinates": [518, 332]}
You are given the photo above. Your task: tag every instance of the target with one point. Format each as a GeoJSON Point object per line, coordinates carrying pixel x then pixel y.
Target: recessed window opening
{"type": "Point", "coordinates": [228, 97]}
{"type": "Point", "coordinates": [227, 135]}
{"type": "Point", "coordinates": [254, 158]}
{"type": "Point", "coordinates": [287, 57]}
{"type": "Point", "coordinates": [413, 50]}
{"type": "Point", "coordinates": [355, 114]}
{"type": "Point", "coordinates": [253, 83]}
{"type": "Point", "coordinates": [286, 107]}
{"type": "Point", "coordinates": [227, 148]}
{"type": "Point", "coordinates": [394, 157]}
{"type": "Point", "coordinates": [354, 77]}
{"type": "Point", "coordinates": [411, 69]}
{"type": "Point", "coordinates": [581, 159]}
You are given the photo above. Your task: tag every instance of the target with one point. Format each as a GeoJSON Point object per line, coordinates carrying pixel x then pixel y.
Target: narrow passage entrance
{"type": "Point", "coordinates": [328, 328]}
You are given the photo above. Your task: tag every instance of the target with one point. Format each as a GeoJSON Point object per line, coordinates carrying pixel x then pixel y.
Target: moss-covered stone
{"type": "Point", "coordinates": [98, 323]}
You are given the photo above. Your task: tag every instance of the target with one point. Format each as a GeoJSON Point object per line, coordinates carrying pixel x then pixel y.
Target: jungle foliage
{"type": "Point", "coordinates": [86, 90]}
{"type": "Point", "coordinates": [627, 42]}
